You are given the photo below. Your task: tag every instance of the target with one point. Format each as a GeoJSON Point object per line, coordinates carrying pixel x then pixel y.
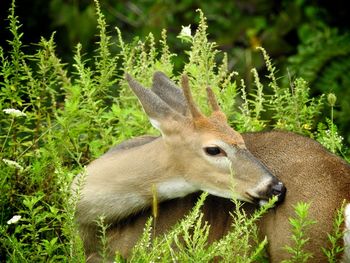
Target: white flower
{"type": "Point", "coordinates": [186, 31]}
{"type": "Point", "coordinates": [185, 34]}
{"type": "Point", "coordinates": [14, 112]}
{"type": "Point", "coordinates": [13, 164]}
{"type": "Point", "coordinates": [14, 220]}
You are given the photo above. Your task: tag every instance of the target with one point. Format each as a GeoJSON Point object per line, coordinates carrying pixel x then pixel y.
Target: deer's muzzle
{"type": "Point", "coordinates": [279, 190]}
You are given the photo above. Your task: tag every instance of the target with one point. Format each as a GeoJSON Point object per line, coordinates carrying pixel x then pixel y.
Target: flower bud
{"type": "Point", "coordinates": [331, 98]}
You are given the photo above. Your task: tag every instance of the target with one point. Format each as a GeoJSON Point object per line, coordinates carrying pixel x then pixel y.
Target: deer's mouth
{"type": "Point", "coordinates": [279, 192]}
{"type": "Point", "coordinates": [263, 202]}
{"type": "Point", "coordinates": [254, 199]}
{"type": "Point", "coordinates": [257, 200]}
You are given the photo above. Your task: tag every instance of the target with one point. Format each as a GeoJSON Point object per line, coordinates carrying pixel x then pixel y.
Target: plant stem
{"type": "Point", "coordinates": [8, 133]}
{"type": "Point", "coordinates": [332, 130]}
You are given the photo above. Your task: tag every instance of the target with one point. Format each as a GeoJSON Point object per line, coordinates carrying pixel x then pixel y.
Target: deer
{"type": "Point", "coordinates": [194, 153]}
{"type": "Point", "coordinates": [311, 174]}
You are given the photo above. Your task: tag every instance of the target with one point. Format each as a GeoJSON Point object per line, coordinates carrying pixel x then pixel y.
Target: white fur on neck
{"type": "Point", "coordinates": [346, 257]}
{"type": "Point", "coordinates": [174, 188]}
{"type": "Point", "coordinates": [155, 124]}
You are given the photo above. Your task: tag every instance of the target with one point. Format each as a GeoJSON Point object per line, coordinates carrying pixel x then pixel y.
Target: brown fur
{"type": "Point", "coordinates": [311, 174]}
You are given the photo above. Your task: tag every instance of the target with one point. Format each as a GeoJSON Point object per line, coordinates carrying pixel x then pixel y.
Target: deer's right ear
{"type": "Point", "coordinates": [160, 114]}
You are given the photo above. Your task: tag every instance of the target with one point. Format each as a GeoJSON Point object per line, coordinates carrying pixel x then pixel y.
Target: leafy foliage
{"type": "Point", "coordinates": [334, 252]}
{"type": "Point", "coordinates": [299, 226]}
{"type": "Point", "coordinates": [187, 241]}
{"type": "Point", "coordinates": [323, 61]}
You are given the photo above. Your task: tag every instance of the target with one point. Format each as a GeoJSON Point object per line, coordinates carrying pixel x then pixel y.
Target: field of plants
{"type": "Point", "coordinates": [56, 117]}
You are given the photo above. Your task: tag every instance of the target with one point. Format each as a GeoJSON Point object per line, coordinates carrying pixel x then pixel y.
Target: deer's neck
{"type": "Point", "coordinates": [121, 183]}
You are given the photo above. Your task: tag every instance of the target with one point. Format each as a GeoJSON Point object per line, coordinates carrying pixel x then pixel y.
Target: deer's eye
{"type": "Point", "coordinates": [215, 151]}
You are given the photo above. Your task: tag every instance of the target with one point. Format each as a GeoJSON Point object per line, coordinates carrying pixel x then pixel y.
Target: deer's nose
{"type": "Point", "coordinates": [279, 190]}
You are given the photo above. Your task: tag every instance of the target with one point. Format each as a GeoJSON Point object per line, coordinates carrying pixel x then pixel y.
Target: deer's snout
{"type": "Point", "coordinates": [274, 189]}
{"type": "Point", "coordinates": [278, 190]}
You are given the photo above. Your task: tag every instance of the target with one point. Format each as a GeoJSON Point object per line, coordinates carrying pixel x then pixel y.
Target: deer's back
{"type": "Point", "coordinates": [311, 174]}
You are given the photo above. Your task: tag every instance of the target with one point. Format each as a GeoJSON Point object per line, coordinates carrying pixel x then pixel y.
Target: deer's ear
{"type": "Point", "coordinates": [160, 113]}
{"type": "Point", "coordinates": [169, 92]}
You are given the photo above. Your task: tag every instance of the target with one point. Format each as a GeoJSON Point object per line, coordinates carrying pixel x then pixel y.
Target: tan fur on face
{"type": "Point", "coordinates": [216, 126]}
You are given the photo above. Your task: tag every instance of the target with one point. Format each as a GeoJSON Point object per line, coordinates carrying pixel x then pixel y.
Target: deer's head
{"type": "Point", "coordinates": [205, 151]}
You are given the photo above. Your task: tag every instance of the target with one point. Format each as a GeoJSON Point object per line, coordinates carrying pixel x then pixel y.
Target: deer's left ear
{"type": "Point", "coordinates": [160, 114]}
{"type": "Point", "coordinates": [167, 90]}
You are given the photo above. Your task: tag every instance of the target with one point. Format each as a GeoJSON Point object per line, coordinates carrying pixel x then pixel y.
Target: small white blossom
{"type": "Point", "coordinates": [14, 112]}
{"type": "Point", "coordinates": [185, 33]}
{"type": "Point", "coordinates": [14, 220]}
{"type": "Point", "coordinates": [13, 164]}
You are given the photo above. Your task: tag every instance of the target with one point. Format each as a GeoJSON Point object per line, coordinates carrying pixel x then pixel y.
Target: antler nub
{"type": "Point", "coordinates": [188, 95]}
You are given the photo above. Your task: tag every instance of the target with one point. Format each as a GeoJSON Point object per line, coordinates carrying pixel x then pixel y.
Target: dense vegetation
{"type": "Point", "coordinates": [55, 118]}
{"type": "Point", "coordinates": [308, 39]}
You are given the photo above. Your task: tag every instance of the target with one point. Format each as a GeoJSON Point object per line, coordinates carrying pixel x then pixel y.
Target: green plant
{"type": "Point", "coordinates": [187, 241]}
{"type": "Point", "coordinates": [327, 133]}
{"type": "Point", "coordinates": [250, 118]}
{"type": "Point", "coordinates": [178, 244]}
{"type": "Point", "coordinates": [334, 252]}
{"type": "Point", "coordinates": [242, 242]}
{"type": "Point", "coordinates": [323, 60]}
{"type": "Point", "coordinates": [292, 107]}
{"type": "Point", "coordinates": [300, 224]}
{"type": "Point", "coordinates": [103, 238]}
